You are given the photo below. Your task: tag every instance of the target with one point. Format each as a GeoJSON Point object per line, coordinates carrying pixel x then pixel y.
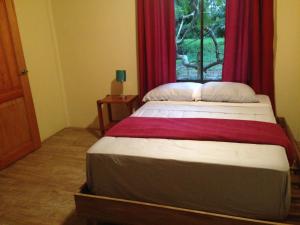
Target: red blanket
{"type": "Point", "coordinates": [241, 131]}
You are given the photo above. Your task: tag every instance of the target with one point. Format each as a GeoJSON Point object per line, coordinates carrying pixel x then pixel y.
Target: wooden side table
{"type": "Point", "coordinates": [129, 100]}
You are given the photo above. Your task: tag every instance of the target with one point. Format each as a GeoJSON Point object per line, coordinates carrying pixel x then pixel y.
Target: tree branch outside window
{"type": "Point", "coordinates": [200, 28]}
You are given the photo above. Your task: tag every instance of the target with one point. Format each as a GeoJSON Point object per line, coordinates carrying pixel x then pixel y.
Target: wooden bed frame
{"type": "Point", "coordinates": [102, 209]}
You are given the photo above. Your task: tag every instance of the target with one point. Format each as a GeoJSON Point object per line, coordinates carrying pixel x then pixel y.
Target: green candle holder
{"type": "Point", "coordinates": [121, 76]}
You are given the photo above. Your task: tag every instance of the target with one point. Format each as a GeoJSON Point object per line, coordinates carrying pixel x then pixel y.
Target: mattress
{"type": "Point", "coordinates": [248, 180]}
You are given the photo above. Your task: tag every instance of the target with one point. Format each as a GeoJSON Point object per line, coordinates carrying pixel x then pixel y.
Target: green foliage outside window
{"type": "Point", "coordinates": [190, 64]}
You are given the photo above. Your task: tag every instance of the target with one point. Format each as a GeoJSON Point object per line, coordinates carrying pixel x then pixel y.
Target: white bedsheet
{"type": "Point", "coordinates": [261, 111]}
{"type": "Point", "coordinates": [234, 178]}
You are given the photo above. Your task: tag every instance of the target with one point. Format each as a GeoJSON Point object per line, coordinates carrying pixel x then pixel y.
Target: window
{"type": "Point", "coordinates": [200, 29]}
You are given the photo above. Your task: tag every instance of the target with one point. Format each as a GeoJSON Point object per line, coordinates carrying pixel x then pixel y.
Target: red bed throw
{"type": "Point", "coordinates": [241, 131]}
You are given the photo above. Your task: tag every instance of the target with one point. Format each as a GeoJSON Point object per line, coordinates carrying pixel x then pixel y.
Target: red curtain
{"type": "Point", "coordinates": [249, 44]}
{"type": "Point", "coordinates": [156, 43]}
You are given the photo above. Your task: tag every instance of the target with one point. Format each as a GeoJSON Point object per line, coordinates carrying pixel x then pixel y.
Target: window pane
{"type": "Point", "coordinates": [188, 42]}
{"type": "Point", "coordinates": [188, 39]}
{"type": "Point", "coordinates": [214, 31]}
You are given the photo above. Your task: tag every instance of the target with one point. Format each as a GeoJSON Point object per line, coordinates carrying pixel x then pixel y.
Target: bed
{"type": "Point", "coordinates": [224, 178]}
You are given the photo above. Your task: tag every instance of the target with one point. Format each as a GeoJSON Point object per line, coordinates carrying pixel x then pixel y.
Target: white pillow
{"type": "Point", "coordinates": [227, 92]}
{"type": "Point", "coordinates": [179, 91]}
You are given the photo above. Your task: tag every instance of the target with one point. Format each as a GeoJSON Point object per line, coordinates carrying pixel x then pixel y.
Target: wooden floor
{"type": "Point", "coordinates": [39, 189]}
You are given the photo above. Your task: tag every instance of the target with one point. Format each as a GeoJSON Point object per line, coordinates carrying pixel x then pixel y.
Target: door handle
{"type": "Point", "coordinates": [24, 72]}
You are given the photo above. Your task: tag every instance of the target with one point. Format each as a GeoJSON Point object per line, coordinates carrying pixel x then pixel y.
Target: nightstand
{"type": "Point", "coordinates": [129, 100]}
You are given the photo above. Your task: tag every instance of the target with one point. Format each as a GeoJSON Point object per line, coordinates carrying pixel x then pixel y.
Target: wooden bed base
{"type": "Point", "coordinates": [101, 209]}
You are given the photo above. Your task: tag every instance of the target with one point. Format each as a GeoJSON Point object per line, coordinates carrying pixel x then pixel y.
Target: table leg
{"type": "Point", "coordinates": [129, 108]}
{"type": "Point", "coordinates": [100, 117]}
{"type": "Point", "coordinates": [109, 112]}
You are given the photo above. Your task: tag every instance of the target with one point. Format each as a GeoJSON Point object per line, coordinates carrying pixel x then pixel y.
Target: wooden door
{"type": "Point", "coordinates": [19, 133]}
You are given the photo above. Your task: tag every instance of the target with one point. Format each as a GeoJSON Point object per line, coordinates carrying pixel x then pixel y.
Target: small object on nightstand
{"type": "Point", "coordinates": [129, 100]}
{"type": "Point", "coordinates": [121, 77]}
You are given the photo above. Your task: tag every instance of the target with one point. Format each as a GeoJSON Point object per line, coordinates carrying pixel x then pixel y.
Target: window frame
{"type": "Point", "coordinates": [200, 70]}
